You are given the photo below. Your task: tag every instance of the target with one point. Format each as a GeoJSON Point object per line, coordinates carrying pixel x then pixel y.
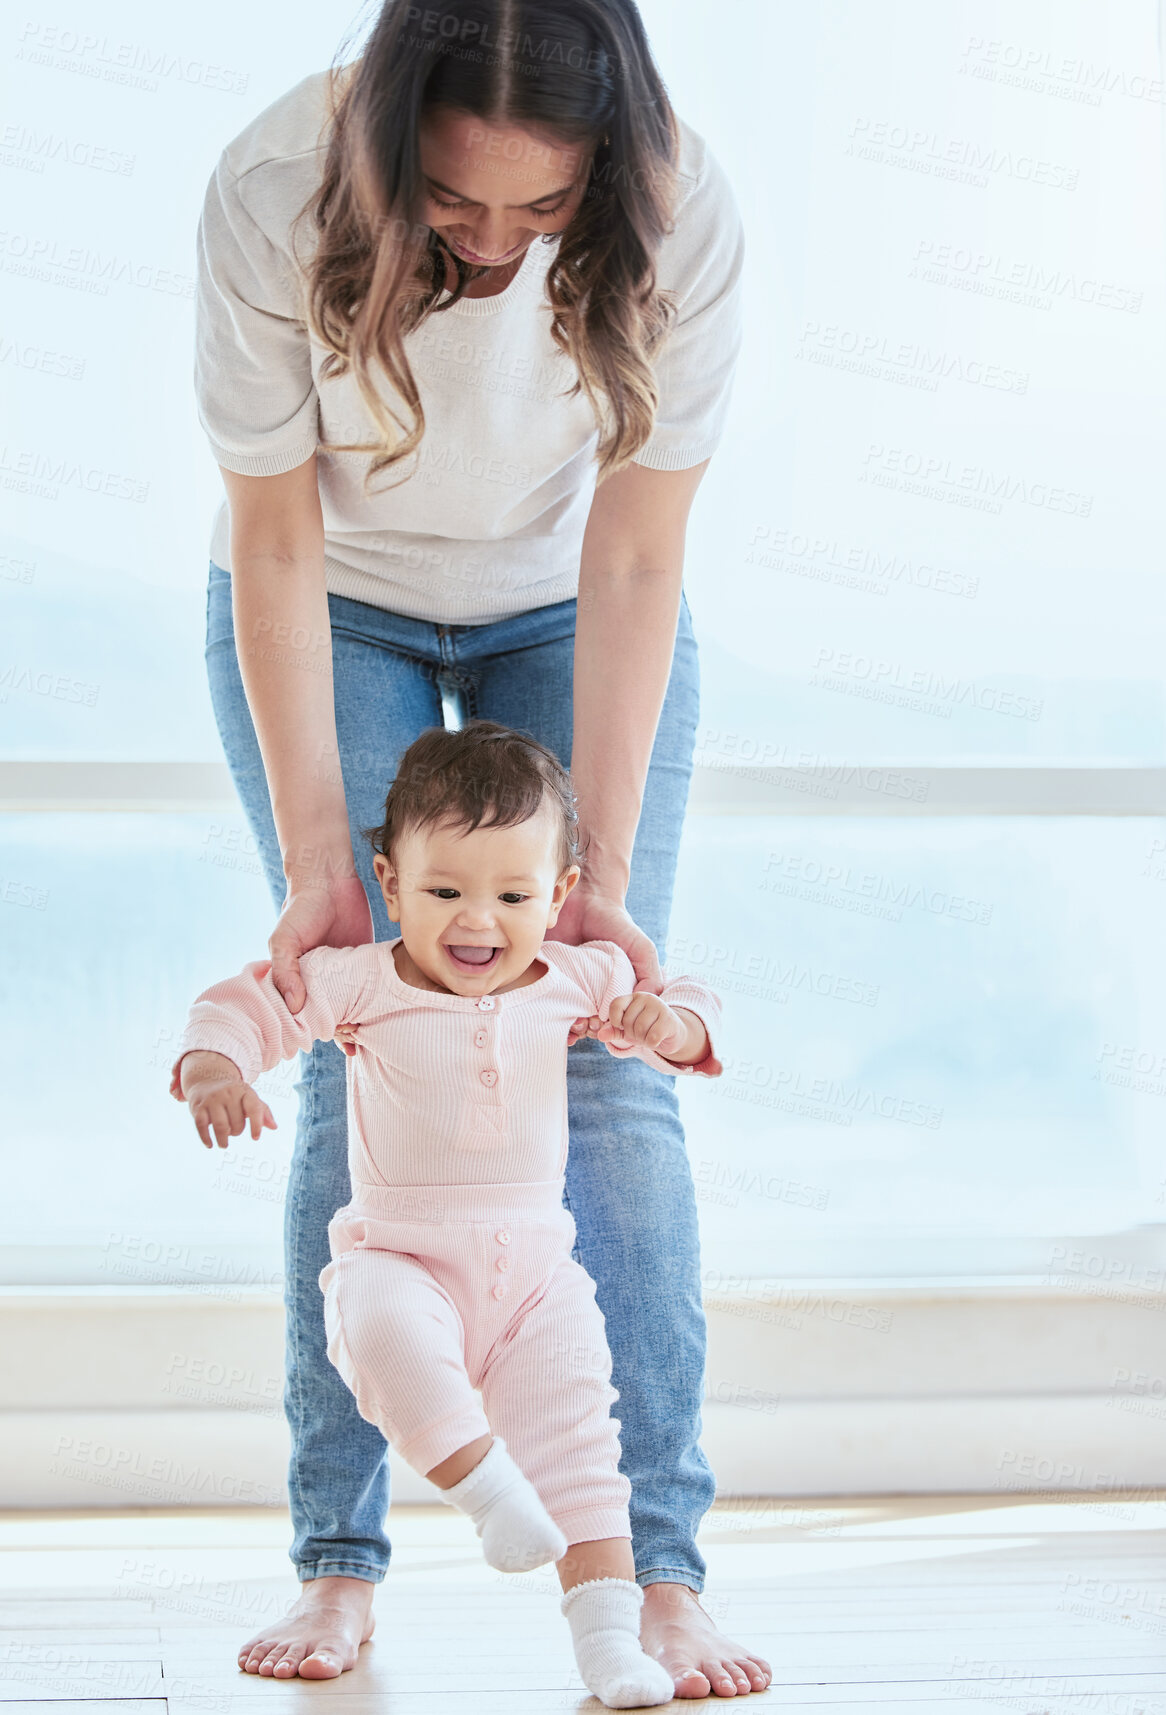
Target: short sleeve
{"type": "Point", "coordinates": [619, 978]}
{"type": "Point", "coordinates": [256, 393]}
{"type": "Point", "coordinates": [702, 262]}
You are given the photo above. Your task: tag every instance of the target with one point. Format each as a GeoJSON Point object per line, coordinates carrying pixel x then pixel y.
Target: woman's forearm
{"type": "Point", "coordinates": [630, 581]}
{"type": "Point", "coordinates": [625, 631]}
{"type": "Point", "coordinates": [283, 638]}
{"type": "Point", "coordinates": [284, 642]}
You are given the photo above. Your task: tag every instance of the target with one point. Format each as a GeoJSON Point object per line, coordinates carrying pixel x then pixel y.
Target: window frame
{"type": "Point", "coordinates": [719, 789]}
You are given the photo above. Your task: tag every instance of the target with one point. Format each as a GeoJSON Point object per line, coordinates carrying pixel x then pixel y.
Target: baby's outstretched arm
{"type": "Point", "coordinates": [241, 1027]}
{"type": "Point", "coordinates": [674, 1033]}
{"type": "Point", "coordinates": [220, 1099]}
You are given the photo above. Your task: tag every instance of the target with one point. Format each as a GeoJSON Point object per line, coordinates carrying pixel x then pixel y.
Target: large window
{"type": "Point", "coordinates": [925, 864]}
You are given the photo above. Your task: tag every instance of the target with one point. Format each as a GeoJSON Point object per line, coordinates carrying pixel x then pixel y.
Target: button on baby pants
{"type": "Point", "coordinates": [436, 1291]}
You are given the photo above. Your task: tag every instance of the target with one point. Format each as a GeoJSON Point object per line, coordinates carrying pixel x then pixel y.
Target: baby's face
{"type": "Point", "coordinates": [474, 907]}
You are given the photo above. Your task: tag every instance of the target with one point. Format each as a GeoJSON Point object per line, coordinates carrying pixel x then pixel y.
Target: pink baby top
{"type": "Point", "coordinates": [444, 1088]}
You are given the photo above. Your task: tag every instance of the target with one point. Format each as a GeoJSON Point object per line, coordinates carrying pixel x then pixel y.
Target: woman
{"type": "Point", "coordinates": [459, 459]}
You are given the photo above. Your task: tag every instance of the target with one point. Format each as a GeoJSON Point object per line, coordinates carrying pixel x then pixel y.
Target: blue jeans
{"type": "Point", "coordinates": [628, 1181]}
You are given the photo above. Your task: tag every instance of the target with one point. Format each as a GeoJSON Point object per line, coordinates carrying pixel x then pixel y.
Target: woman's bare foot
{"type": "Point", "coordinates": [675, 1629]}
{"type": "Point", "coordinates": [320, 1638]}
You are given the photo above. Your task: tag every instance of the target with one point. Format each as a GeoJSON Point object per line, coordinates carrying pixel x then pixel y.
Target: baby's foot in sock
{"type": "Point", "coordinates": [517, 1531]}
{"type": "Point", "coordinates": [604, 1617]}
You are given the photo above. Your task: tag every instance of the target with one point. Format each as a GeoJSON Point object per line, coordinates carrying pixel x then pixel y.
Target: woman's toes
{"type": "Point", "coordinates": [692, 1683]}
{"type": "Point", "coordinates": [250, 1658]}
{"type": "Point", "coordinates": [288, 1664]}
{"type": "Point", "coordinates": [759, 1672]}
{"type": "Point", "coordinates": [719, 1676]}
{"type": "Point", "coordinates": [321, 1664]}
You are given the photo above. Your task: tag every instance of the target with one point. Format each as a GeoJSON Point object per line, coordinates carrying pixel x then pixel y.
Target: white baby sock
{"type": "Point", "coordinates": [517, 1531]}
{"type": "Point", "coordinates": [604, 1617]}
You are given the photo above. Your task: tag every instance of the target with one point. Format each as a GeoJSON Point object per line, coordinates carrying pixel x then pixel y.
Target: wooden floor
{"type": "Point", "coordinates": [1042, 1607]}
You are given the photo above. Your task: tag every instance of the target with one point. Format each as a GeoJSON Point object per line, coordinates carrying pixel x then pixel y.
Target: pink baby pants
{"type": "Point", "coordinates": [437, 1290]}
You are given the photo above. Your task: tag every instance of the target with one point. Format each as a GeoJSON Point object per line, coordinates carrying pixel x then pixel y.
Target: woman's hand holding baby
{"type": "Point", "coordinates": [333, 913]}
{"type": "Point", "coordinates": [219, 1100]}
{"type": "Point", "coordinates": [589, 916]}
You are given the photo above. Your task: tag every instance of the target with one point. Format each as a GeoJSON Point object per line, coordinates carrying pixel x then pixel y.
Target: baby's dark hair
{"type": "Point", "coordinates": [485, 774]}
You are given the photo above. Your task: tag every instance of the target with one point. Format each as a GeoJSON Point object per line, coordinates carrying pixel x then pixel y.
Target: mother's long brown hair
{"type": "Point", "coordinates": [578, 70]}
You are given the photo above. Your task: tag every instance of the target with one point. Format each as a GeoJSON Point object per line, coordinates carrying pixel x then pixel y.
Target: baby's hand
{"type": "Point", "coordinates": [345, 1036]}
{"type": "Point", "coordinates": [582, 1027]}
{"type": "Point", "coordinates": [646, 1020]}
{"type": "Point", "coordinates": [219, 1100]}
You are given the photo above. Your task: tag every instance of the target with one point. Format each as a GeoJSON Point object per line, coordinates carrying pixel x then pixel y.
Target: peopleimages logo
{"type": "Point", "coordinates": [865, 891]}
{"type": "Point", "coordinates": [940, 478]}
{"type": "Point", "coordinates": [132, 64]}
{"type": "Point", "coordinates": [730, 967]}
{"type": "Point", "coordinates": [1046, 72]}
{"type": "Point", "coordinates": [62, 687]}
{"type": "Point", "coordinates": [826, 559]}
{"type": "Point", "coordinates": [903, 362]}
{"type": "Point", "coordinates": [835, 1093]}
{"type": "Point", "coordinates": [955, 158]}
{"type": "Point", "coordinates": [30, 150]}
{"type": "Point", "coordinates": [992, 274]}
{"type": "Point", "coordinates": [834, 667]}
{"type": "Point", "coordinates": [33, 256]}
{"type": "Point", "coordinates": [45, 475]}
{"type": "Point", "coordinates": [41, 360]}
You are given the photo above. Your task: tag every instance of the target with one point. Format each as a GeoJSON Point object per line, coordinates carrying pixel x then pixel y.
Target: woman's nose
{"type": "Point", "coordinates": [493, 239]}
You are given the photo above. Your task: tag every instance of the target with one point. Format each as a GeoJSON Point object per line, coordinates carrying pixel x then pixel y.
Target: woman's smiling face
{"type": "Point", "coordinates": [491, 190]}
{"type": "Point", "coordinates": [490, 893]}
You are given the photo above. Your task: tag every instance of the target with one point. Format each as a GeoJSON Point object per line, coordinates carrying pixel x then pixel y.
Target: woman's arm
{"type": "Point", "coordinates": [630, 579]}
{"type": "Point", "coordinates": [283, 638]}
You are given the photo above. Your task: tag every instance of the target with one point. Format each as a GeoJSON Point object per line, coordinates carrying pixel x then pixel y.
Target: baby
{"type": "Point", "coordinates": [452, 1272]}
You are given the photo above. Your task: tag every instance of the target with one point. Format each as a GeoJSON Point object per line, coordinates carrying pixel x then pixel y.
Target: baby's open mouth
{"type": "Point", "coordinates": [474, 958]}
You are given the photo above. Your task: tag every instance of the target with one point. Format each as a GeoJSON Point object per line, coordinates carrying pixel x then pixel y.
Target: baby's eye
{"type": "Point", "coordinates": [445, 892]}
{"type": "Point", "coordinates": [514, 898]}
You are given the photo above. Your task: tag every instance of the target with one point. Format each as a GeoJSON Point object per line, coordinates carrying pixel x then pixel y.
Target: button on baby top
{"type": "Point", "coordinates": [486, 1004]}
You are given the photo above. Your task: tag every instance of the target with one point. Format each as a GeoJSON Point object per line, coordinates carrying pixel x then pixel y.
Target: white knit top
{"type": "Point", "coordinates": [491, 517]}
